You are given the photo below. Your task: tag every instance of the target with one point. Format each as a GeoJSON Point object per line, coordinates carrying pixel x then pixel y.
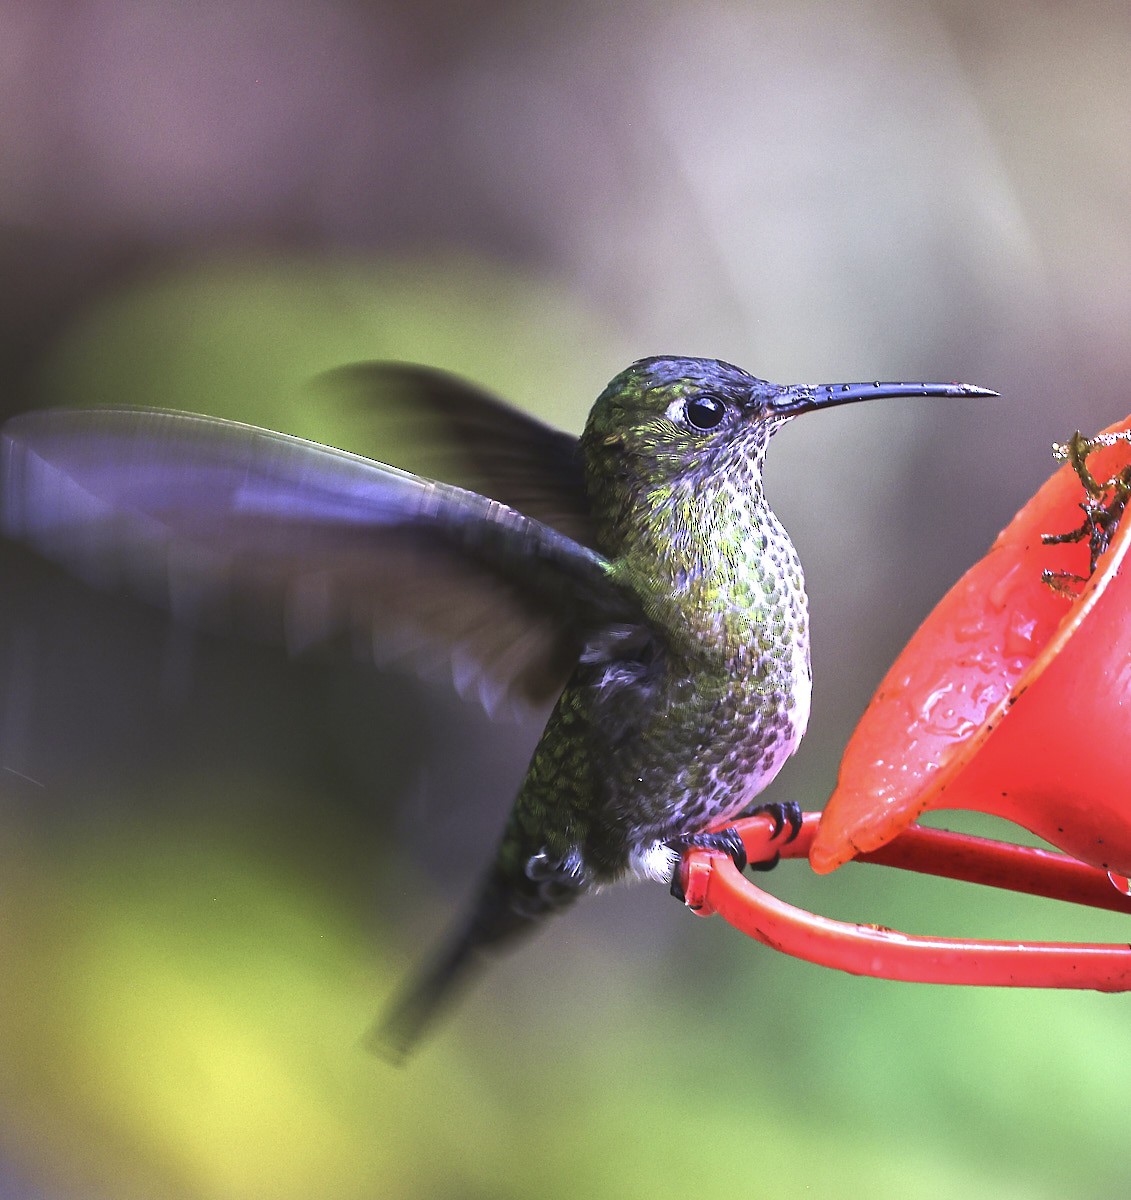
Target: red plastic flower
{"type": "Point", "coordinates": [1012, 698]}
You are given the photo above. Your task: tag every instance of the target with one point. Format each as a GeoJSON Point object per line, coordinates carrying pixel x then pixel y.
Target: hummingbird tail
{"type": "Point", "coordinates": [500, 916]}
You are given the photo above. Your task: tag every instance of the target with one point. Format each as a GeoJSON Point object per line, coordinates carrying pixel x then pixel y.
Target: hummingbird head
{"type": "Point", "coordinates": [667, 423]}
{"type": "Point", "coordinates": [666, 418]}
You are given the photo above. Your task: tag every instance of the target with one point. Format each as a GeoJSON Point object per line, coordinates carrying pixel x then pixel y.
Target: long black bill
{"type": "Point", "coordinates": [800, 398]}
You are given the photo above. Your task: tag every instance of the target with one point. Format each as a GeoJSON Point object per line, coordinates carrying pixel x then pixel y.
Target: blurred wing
{"type": "Point", "coordinates": [238, 528]}
{"type": "Point", "coordinates": [461, 432]}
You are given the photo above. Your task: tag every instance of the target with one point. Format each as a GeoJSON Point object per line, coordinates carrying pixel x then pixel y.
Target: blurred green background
{"type": "Point", "coordinates": [215, 863]}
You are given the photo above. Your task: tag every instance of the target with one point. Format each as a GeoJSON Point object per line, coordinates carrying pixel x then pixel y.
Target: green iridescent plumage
{"type": "Point", "coordinates": [638, 574]}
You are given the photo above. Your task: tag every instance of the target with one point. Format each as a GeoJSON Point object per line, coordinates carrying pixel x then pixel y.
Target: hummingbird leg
{"type": "Point", "coordinates": [727, 840]}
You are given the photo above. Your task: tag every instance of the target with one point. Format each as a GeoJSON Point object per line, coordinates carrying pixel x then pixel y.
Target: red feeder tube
{"type": "Point", "coordinates": [713, 884]}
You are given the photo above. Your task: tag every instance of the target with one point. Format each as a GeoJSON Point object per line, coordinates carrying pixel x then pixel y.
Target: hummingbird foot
{"type": "Point", "coordinates": [782, 814]}
{"type": "Point", "coordinates": [727, 840]}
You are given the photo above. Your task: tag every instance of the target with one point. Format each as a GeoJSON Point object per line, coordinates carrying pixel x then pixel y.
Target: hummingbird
{"type": "Point", "coordinates": [636, 578]}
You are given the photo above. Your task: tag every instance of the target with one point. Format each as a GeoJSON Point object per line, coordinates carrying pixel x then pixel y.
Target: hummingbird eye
{"type": "Point", "coordinates": [704, 411]}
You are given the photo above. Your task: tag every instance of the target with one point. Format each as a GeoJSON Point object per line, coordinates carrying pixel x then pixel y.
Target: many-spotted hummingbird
{"type": "Point", "coordinates": [637, 575]}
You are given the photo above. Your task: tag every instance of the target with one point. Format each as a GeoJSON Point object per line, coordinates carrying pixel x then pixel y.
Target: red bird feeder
{"type": "Point", "coordinates": [1013, 698]}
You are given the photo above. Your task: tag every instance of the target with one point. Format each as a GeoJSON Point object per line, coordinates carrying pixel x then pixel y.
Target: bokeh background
{"type": "Point", "coordinates": [216, 862]}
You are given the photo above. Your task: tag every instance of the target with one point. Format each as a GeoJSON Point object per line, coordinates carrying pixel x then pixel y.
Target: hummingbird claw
{"type": "Point", "coordinates": [782, 814]}
{"type": "Point", "coordinates": [727, 840]}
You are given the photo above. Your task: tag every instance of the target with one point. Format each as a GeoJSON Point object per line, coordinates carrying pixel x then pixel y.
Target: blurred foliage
{"type": "Point", "coordinates": [215, 863]}
{"type": "Point", "coordinates": [182, 1014]}
{"type": "Point", "coordinates": [246, 336]}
